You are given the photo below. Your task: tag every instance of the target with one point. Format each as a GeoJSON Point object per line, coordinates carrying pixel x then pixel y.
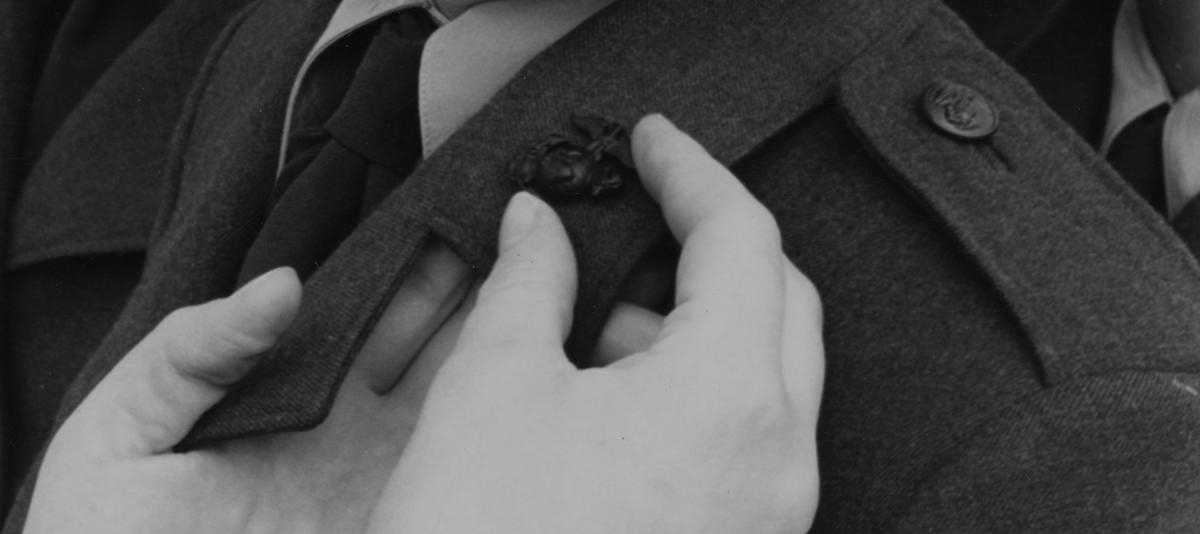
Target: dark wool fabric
{"type": "Point", "coordinates": [352, 157]}
{"type": "Point", "coordinates": [1011, 331]}
{"type": "Point", "coordinates": [75, 43]}
{"type": "Point", "coordinates": [459, 193]}
{"type": "Point", "coordinates": [16, 66]}
{"type": "Point", "coordinates": [76, 232]}
{"type": "Point", "coordinates": [90, 35]}
{"type": "Point", "coordinates": [59, 312]}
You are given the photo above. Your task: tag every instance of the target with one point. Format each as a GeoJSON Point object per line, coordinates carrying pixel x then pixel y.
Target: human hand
{"type": "Point", "coordinates": [711, 429]}
{"type": "Point", "coordinates": [110, 468]}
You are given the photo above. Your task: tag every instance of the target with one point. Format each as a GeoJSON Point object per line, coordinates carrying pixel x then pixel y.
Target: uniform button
{"type": "Point", "coordinates": [960, 111]}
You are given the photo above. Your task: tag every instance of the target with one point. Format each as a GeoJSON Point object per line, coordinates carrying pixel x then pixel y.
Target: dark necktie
{"type": "Point", "coordinates": [1137, 154]}
{"type": "Point", "coordinates": [1170, 28]}
{"type": "Point", "coordinates": [356, 137]}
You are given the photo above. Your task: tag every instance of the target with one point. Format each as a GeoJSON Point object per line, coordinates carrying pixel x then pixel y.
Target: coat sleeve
{"type": "Point", "coordinates": [1117, 453]}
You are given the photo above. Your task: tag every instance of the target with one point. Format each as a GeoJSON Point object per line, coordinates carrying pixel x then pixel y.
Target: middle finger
{"type": "Point", "coordinates": [434, 287]}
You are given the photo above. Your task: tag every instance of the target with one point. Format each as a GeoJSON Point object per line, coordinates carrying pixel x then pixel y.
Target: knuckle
{"type": "Point", "coordinates": [804, 292]}
{"type": "Point", "coordinates": [760, 223]}
{"type": "Point", "coordinates": [225, 337]}
{"type": "Point", "coordinates": [750, 405]}
{"type": "Point", "coordinates": [749, 225]}
{"type": "Point", "coordinates": [190, 360]}
{"type": "Point", "coordinates": [194, 343]}
{"type": "Point", "coordinates": [178, 321]}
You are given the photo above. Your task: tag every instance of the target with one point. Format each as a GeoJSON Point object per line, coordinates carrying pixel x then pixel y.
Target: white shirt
{"type": "Point", "coordinates": [1139, 86]}
{"type": "Point", "coordinates": [466, 60]}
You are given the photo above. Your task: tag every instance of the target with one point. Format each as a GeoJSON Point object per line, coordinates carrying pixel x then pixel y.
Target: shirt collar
{"type": "Point", "coordinates": [352, 14]}
{"type": "Point", "coordinates": [349, 16]}
{"type": "Point", "coordinates": [466, 61]}
{"type": "Point", "coordinates": [1138, 82]}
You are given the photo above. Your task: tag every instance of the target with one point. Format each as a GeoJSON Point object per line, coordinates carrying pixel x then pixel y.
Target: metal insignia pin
{"type": "Point", "coordinates": [560, 167]}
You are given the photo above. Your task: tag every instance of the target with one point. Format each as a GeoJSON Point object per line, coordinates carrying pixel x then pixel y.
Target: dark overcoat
{"type": "Point", "coordinates": [1013, 337]}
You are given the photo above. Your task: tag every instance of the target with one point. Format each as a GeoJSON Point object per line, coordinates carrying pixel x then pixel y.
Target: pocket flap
{"type": "Point", "coordinates": [73, 213]}
{"type": "Point", "coordinates": [1096, 278]}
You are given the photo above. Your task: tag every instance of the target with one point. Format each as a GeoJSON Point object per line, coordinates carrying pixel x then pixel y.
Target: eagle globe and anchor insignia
{"type": "Point", "coordinates": [558, 167]}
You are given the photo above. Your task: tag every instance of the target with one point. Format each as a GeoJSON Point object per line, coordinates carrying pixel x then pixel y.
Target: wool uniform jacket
{"type": "Point", "coordinates": [1012, 334]}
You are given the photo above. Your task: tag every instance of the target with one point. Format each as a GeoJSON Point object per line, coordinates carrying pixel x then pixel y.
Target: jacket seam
{"type": "Point", "coordinates": [181, 137]}
{"type": "Point", "coordinates": [945, 456]}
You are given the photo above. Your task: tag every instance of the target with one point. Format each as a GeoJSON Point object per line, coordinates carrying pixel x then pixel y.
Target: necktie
{"type": "Point", "coordinates": [346, 154]}
{"type": "Point", "coordinates": [1137, 154]}
{"type": "Point", "coordinates": [1171, 28]}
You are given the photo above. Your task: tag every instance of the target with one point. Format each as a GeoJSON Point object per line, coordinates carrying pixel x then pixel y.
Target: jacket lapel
{"type": "Point", "coordinates": [98, 182]}
{"type": "Point", "coordinates": [219, 172]}
{"type": "Point", "coordinates": [633, 58]}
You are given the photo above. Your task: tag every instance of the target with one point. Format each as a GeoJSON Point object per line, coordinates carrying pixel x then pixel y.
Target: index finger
{"type": "Point", "coordinates": [729, 284]}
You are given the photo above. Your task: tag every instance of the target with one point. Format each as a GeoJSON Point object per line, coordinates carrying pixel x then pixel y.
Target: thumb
{"type": "Point", "coordinates": [153, 397]}
{"type": "Point", "coordinates": [524, 306]}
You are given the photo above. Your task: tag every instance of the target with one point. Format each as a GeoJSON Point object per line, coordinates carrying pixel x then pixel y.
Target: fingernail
{"type": "Point", "coordinates": [658, 120]}
{"type": "Point", "coordinates": [260, 281]}
{"type": "Point", "coordinates": [519, 219]}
